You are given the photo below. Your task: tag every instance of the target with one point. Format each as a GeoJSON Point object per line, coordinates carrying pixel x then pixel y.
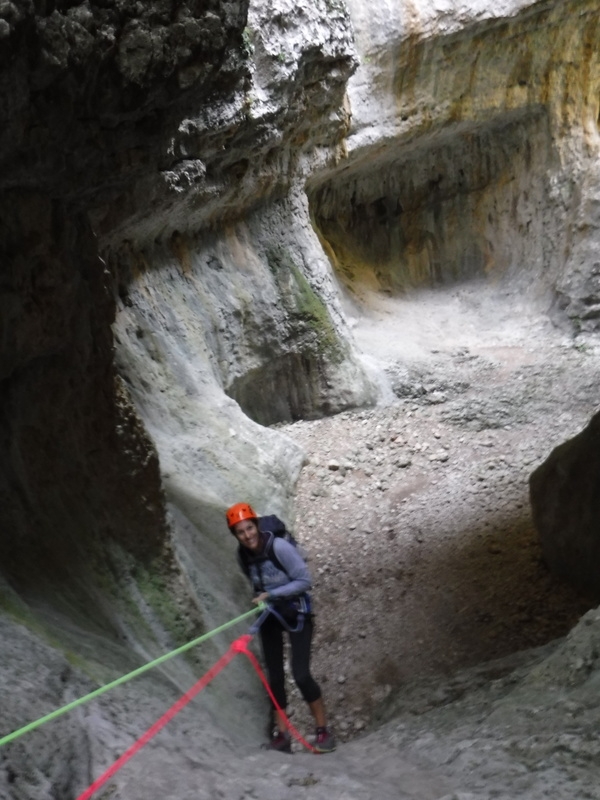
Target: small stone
{"type": "Point", "coordinates": [436, 398]}
{"type": "Point", "coordinates": [333, 465]}
{"type": "Point", "coordinates": [341, 679]}
{"type": "Point", "coordinates": [442, 456]}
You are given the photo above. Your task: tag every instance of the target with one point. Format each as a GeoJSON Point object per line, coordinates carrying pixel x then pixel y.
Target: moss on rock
{"type": "Point", "coordinates": [304, 304]}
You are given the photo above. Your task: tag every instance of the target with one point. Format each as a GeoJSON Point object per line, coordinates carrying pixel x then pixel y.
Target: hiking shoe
{"type": "Point", "coordinates": [280, 742]}
{"type": "Point", "coordinates": [324, 741]}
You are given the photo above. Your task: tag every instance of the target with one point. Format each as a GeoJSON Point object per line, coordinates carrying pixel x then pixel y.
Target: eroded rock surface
{"type": "Point", "coordinates": [104, 111]}
{"type": "Point", "coordinates": [473, 152]}
{"type": "Point", "coordinates": [182, 141]}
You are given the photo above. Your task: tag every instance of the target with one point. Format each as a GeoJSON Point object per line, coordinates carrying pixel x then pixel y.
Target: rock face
{"type": "Point", "coordinates": [87, 87]}
{"type": "Point", "coordinates": [473, 152]}
{"type": "Point", "coordinates": [164, 295]}
{"type": "Point", "coordinates": [84, 92]}
{"type": "Point", "coordinates": [268, 303]}
{"type": "Point", "coordinates": [70, 434]}
{"type": "Point", "coordinates": [97, 101]}
{"type": "Point", "coordinates": [263, 304]}
{"type": "Point", "coordinates": [565, 497]}
{"type": "Point", "coordinates": [285, 106]}
{"type": "Point", "coordinates": [108, 142]}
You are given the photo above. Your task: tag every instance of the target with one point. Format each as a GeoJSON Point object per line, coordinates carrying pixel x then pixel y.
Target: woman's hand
{"type": "Point", "coordinates": [260, 598]}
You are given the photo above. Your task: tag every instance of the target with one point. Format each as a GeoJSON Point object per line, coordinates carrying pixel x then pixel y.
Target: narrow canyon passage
{"type": "Point", "coordinates": [416, 514]}
{"type": "Point", "coordinates": [202, 203]}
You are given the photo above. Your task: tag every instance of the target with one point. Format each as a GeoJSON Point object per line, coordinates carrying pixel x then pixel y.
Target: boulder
{"type": "Point", "coordinates": [565, 498]}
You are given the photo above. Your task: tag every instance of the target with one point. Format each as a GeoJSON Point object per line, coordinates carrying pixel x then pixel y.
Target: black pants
{"type": "Point", "coordinates": [271, 634]}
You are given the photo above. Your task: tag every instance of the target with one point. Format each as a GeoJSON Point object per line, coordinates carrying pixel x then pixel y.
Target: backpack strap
{"type": "Point", "coordinates": [272, 556]}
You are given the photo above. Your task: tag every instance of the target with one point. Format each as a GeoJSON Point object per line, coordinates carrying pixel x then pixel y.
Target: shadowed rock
{"type": "Point", "coordinates": [565, 498]}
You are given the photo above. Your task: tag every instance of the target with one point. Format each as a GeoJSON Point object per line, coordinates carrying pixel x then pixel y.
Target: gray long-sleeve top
{"type": "Point", "coordinates": [266, 576]}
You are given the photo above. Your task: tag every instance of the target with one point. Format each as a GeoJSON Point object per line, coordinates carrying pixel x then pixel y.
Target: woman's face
{"type": "Point", "coordinates": [247, 534]}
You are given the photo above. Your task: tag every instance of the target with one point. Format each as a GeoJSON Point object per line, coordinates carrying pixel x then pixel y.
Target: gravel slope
{"type": "Point", "coordinates": [415, 515]}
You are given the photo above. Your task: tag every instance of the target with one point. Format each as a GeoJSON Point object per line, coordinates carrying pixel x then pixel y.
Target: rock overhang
{"type": "Point", "coordinates": [465, 145]}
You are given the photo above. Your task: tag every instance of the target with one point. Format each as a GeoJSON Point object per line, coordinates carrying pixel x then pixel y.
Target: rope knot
{"type": "Point", "coordinates": [241, 645]}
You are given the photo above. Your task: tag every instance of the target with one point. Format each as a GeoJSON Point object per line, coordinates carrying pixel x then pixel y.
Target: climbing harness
{"type": "Point", "coordinates": [299, 620]}
{"type": "Point", "coordinates": [255, 627]}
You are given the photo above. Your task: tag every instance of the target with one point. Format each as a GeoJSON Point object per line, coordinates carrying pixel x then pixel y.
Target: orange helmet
{"type": "Point", "coordinates": [238, 513]}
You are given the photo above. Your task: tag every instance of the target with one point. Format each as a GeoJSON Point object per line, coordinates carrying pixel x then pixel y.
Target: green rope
{"type": "Point", "coordinates": [124, 678]}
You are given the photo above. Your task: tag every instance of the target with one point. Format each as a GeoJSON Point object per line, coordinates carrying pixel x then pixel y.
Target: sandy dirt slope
{"type": "Point", "coordinates": [416, 515]}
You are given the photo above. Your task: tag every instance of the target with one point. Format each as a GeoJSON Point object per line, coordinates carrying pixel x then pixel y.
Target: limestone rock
{"type": "Point", "coordinates": [176, 180]}
{"type": "Point", "coordinates": [565, 498]}
{"type": "Point", "coordinates": [410, 207]}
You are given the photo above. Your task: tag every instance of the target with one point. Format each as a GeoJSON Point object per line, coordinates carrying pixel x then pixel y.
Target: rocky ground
{"type": "Point", "coordinates": [437, 621]}
{"type": "Point", "coordinates": [415, 515]}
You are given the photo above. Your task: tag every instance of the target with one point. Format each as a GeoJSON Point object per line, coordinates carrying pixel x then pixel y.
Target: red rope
{"type": "Point", "coordinates": [166, 717]}
{"type": "Point", "coordinates": [238, 646]}
{"type": "Point", "coordinates": [241, 646]}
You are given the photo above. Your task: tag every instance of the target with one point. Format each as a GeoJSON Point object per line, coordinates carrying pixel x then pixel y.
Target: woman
{"type": "Point", "coordinates": [280, 577]}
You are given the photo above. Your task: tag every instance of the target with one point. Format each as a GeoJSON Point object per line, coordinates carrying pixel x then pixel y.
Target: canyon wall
{"type": "Point", "coordinates": [110, 148]}
{"type": "Point", "coordinates": [473, 153]}
{"type": "Point", "coordinates": [123, 446]}
{"type": "Point", "coordinates": [164, 295]}
{"type": "Point", "coordinates": [90, 583]}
